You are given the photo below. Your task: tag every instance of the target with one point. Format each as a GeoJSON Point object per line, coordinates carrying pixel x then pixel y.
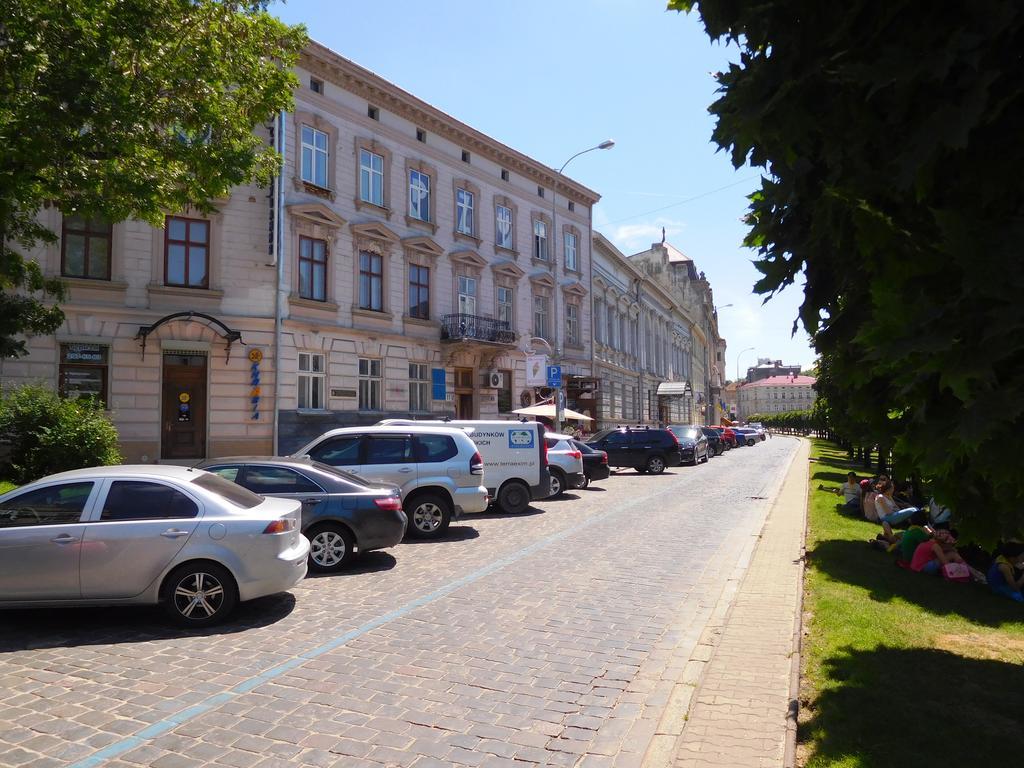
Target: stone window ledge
{"type": "Point", "coordinates": [323, 306]}
{"type": "Point", "coordinates": [155, 289]}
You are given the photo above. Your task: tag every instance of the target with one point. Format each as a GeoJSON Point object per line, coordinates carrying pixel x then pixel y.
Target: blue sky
{"type": "Point", "coordinates": [552, 78]}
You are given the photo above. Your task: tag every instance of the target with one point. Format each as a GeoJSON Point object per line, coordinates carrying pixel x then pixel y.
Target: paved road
{"type": "Point", "coordinates": [550, 638]}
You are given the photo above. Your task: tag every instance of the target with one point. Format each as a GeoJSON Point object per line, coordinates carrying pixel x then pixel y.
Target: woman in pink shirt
{"type": "Point", "coordinates": [930, 556]}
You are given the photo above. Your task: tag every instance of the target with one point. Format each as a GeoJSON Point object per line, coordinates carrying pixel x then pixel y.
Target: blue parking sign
{"type": "Point", "coordinates": [554, 375]}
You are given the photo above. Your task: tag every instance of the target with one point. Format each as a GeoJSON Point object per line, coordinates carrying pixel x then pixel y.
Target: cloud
{"type": "Point", "coordinates": [630, 238]}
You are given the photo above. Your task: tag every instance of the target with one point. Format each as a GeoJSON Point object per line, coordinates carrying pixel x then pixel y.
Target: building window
{"type": "Point", "coordinates": [540, 316]}
{"type": "Point", "coordinates": [85, 248]}
{"type": "Point", "coordinates": [540, 240]}
{"type": "Point", "coordinates": [372, 112]}
{"type": "Point", "coordinates": [504, 174]}
{"type": "Point", "coordinates": [419, 387]}
{"type": "Point", "coordinates": [419, 292]}
{"type": "Point", "coordinates": [464, 211]}
{"type": "Point", "coordinates": [505, 392]}
{"type": "Point", "coordinates": [371, 177]}
{"type": "Point", "coordinates": [369, 384]}
{"type": "Point", "coordinates": [313, 269]}
{"type": "Point", "coordinates": [467, 295]}
{"type": "Point", "coordinates": [187, 252]}
{"type": "Point", "coordinates": [465, 156]}
{"type": "Point", "coordinates": [570, 252]}
{"type": "Point", "coordinates": [503, 226]}
{"type": "Point", "coordinates": [540, 191]}
{"type": "Point", "coordinates": [572, 206]}
{"type": "Point", "coordinates": [314, 156]}
{"type": "Point", "coordinates": [421, 135]}
{"type": "Point", "coordinates": [371, 281]}
{"type": "Point", "coordinates": [505, 305]}
{"type": "Point", "coordinates": [83, 371]}
{"type": "Point", "coordinates": [572, 324]}
{"type": "Point", "coordinates": [312, 381]}
{"type": "Point", "coordinates": [315, 85]}
{"type": "Point", "coordinates": [419, 195]}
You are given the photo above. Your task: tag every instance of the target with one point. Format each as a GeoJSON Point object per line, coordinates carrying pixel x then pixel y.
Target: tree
{"type": "Point", "coordinates": [889, 136]}
{"type": "Point", "coordinates": [126, 108]}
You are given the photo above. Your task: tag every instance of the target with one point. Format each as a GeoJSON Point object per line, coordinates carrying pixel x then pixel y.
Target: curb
{"type": "Point", "coordinates": [793, 714]}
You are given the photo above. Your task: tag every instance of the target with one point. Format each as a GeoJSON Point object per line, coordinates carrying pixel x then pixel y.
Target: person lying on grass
{"type": "Point", "coordinates": [1006, 574]}
{"type": "Point", "coordinates": [929, 556]}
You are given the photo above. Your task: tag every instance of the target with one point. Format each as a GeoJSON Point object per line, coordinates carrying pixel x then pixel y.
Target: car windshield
{"type": "Point", "coordinates": [600, 435]}
{"type": "Point", "coordinates": [234, 494]}
{"type": "Point", "coordinates": [689, 433]}
{"type": "Point", "coordinates": [583, 447]}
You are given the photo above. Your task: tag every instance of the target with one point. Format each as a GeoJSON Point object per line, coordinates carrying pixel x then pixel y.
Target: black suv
{"type": "Point", "coordinates": [645, 449]}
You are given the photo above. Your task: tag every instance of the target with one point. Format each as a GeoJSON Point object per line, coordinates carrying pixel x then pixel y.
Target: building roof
{"type": "Point", "coordinates": [674, 254]}
{"type": "Point", "coordinates": [783, 381]}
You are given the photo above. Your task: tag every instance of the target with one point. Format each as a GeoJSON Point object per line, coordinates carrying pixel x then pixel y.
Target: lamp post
{"type": "Point", "coordinates": [748, 349]}
{"type": "Point", "coordinates": [606, 144]}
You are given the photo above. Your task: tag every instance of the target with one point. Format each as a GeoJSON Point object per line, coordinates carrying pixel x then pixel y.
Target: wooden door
{"type": "Point", "coordinates": [183, 434]}
{"type": "Point", "coordinates": [464, 393]}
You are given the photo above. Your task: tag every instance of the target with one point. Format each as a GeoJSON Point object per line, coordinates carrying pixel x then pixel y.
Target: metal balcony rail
{"type": "Point", "coordinates": [460, 326]}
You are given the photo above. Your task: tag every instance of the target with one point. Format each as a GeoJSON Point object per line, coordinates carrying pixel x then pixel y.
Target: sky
{"type": "Point", "coordinates": [552, 77]}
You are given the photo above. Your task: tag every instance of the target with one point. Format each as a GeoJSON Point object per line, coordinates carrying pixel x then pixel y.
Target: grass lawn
{"type": "Point", "coordinates": [900, 669]}
{"type": "Point", "coordinates": [5, 486]}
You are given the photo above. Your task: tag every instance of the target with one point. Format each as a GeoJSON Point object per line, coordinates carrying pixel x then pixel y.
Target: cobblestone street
{"type": "Point", "coordinates": [550, 638]}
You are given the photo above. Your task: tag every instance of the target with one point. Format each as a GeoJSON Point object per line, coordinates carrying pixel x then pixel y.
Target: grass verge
{"type": "Point", "coordinates": [899, 669]}
{"type": "Point", "coordinates": [6, 486]}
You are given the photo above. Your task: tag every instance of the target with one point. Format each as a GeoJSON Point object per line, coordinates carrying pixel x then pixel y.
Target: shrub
{"type": "Point", "coordinates": [46, 434]}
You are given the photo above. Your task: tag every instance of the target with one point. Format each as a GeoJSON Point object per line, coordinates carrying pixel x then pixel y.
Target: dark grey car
{"type": "Point", "coordinates": [342, 514]}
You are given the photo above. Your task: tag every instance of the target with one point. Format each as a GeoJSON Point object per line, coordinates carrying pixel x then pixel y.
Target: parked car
{"type": "Point", "coordinates": [153, 534]}
{"type": "Point", "coordinates": [716, 445]}
{"type": "Point", "coordinates": [645, 449]}
{"type": "Point", "coordinates": [693, 443]}
{"type": "Point", "coordinates": [514, 454]}
{"type": "Point", "coordinates": [745, 435]}
{"type": "Point", "coordinates": [565, 463]}
{"type": "Point", "coordinates": [729, 436]}
{"type": "Point", "coordinates": [438, 469]}
{"type": "Point", "coordinates": [342, 514]}
{"type": "Point", "coordinates": [595, 463]}
{"type": "Point", "coordinates": [758, 427]}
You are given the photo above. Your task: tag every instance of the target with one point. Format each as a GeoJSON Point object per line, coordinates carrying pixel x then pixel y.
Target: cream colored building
{"type": "Point", "coordinates": [776, 394]}
{"type": "Point", "coordinates": [400, 266]}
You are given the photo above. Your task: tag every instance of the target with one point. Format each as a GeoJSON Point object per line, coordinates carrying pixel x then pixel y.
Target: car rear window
{"type": "Point", "coordinates": [234, 494]}
{"type": "Point", "coordinates": [436, 448]}
{"type": "Point", "coordinates": [583, 447]}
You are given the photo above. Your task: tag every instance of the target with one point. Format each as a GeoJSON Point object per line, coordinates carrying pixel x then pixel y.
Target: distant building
{"type": "Point", "coordinates": [767, 367]}
{"type": "Point", "coordinates": [776, 394]}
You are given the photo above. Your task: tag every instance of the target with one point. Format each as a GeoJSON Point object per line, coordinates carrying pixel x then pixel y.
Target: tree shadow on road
{"type": "Point", "coordinates": [854, 562]}
{"type": "Point", "coordinates": [915, 708]}
{"type": "Point", "coordinates": [70, 627]}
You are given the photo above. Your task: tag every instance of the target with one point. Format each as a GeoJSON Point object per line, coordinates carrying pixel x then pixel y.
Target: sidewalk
{"type": "Point", "coordinates": [744, 670]}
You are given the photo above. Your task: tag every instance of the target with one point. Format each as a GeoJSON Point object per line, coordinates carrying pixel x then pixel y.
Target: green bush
{"type": "Point", "coordinates": [46, 434]}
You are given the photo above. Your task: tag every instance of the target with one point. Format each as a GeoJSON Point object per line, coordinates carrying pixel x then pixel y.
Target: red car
{"type": "Point", "coordinates": [728, 436]}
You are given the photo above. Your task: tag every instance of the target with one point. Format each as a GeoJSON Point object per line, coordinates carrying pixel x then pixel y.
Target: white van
{"type": "Point", "coordinates": [514, 454]}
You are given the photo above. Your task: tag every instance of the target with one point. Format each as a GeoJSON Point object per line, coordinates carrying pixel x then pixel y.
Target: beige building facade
{"type": "Point", "coordinates": [402, 265]}
{"type": "Point", "coordinates": [776, 394]}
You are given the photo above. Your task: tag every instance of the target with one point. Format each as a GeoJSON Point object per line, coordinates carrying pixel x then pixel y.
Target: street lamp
{"type": "Point", "coordinates": [738, 356]}
{"type": "Point", "coordinates": [606, 144]}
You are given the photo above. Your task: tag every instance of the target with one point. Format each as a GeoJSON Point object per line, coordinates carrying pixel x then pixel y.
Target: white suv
{"type": "Point", "coordinates": [438, 469]}
{"type": "Point", "coordinates": [565, 462]}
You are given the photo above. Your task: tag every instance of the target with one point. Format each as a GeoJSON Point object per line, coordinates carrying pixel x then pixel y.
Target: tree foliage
{"type": "Point", "coordinates": [126, 108]}
{"type": "Point", "coordinates": [44, 433]}
{"type": "Point", "coordinates": [889, 135]}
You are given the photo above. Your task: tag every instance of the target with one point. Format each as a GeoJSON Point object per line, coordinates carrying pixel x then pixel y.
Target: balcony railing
{"type": "Point", "coordinates": [463, 327]}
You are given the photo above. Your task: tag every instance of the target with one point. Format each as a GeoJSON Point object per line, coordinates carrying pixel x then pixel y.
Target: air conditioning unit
{"type": "Point", "coordinates": [493, 379]}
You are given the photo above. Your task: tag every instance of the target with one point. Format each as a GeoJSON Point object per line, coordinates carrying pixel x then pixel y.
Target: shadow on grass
{"type": "Point", "coordinates": [854, 562]}
{"type": "Point", "coordinates": [71, 627]}
{"type": "Point", "coordinates": [916, 708]}
{"type": "Point", "coordinates": [824, 476]}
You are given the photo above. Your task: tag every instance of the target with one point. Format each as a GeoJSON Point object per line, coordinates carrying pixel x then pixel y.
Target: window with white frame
{"type": "Point", "coordinates": [572, 324]}
{"type": "Point", "coordinates": [314, 156]}
{"type": "Point", "coordinates": [598, 323]}
{"type": "Point", "coordinates": [464, 212]}
{"type": "Point", "coordinates": [503, 226]}
{"type": "Point", "coordinates": [540, 316]}
{"type": "Point", "coordinates": [419, 195]}
{"type": "Point", "coordinates": [371, 177]}
{"type": "Point", "coordinates": [540, 240]}
{"type": "Point", "coordinates": [467, 295]}
{"type": "Point", "coordinates": [419, 387]}
{"type": "Point", "coordinates": [505, 299]}
{"type": "Point", "coordinates": [370, 384]}
{"type": "Point", "coordinates": [571, 261]}
{"type": "Point", "coordinates": [312, 381]}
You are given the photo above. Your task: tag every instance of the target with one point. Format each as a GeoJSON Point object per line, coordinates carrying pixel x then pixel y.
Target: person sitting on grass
{"type": "Point", "coordinates": [888, 511]}
{"type": "Point", "coordinates": [915, 535]}
{"type": "Point", "coordinates": [1006, 574]}
{"type": "Point", "coordinates": [851, 493]}
{"type": "Point", "coordinates": [930, 556]}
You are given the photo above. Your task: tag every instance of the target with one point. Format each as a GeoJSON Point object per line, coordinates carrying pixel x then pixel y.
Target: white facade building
{"type": "Point", "coordinates": [776, 394]}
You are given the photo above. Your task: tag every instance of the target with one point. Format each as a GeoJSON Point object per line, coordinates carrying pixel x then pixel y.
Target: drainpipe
{"type": "Point", "coordinates": [278, 262]}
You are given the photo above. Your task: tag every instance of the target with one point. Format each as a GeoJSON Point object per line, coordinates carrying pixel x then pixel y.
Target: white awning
{"type": "Point", "coordinates": [674, 388]}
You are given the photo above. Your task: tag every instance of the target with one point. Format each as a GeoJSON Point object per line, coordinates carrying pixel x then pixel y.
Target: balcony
{"type": "Point", "coordinates": [463, 328]}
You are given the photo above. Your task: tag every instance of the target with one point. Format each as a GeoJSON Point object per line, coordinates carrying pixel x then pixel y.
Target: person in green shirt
{"type": "Point", "coordinates": [917, 532]}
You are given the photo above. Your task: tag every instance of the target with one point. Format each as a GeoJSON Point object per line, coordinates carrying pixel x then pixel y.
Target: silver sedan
{"type": "Point", "coordinates": [187, 539]}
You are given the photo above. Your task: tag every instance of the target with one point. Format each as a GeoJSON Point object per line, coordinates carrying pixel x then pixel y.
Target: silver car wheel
{"type": "Point", "coordinates": [427, 517]}
{"type": "Point", "coordinates": [198, 596]}
{"type": "Point", "coordinates": [328, 549]}
{"type": "Point", "coordinates": [556, 484]}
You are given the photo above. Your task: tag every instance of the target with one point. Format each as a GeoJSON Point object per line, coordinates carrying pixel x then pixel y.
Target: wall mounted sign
{"type": "Point", "coordinates": [438, 383]}
{"type": "Point", "coordinates": [343, 393]}
{"type": "Point", "coordinates": [255, 358]}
